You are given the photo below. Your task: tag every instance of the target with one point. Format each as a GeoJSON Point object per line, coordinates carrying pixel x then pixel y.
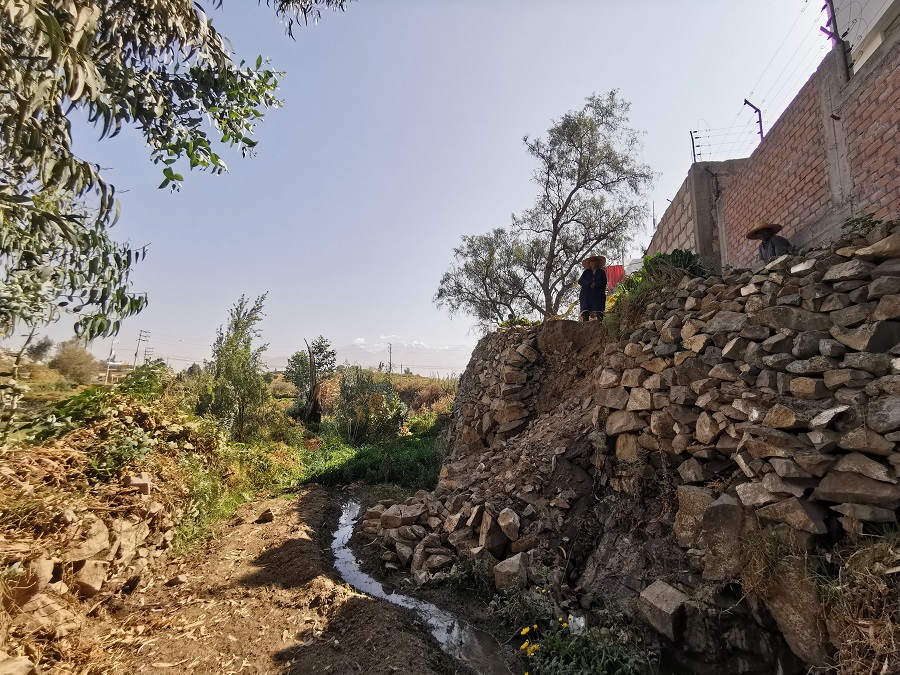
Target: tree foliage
{"type": "Point", "coordinates": [157, 65]}
{"type": "Point", "coordinates": [590, 182]}
{"type": "Point", "coordinates": [298, 370]}
{"type": "Point", "coordinates": [40, 350]}
{"type": "Point", "coordinates": [237, 392]}
{"type": "Point", "coordinates": [75, 362]}
{"type": "Point", "coordinates": [300, 373]}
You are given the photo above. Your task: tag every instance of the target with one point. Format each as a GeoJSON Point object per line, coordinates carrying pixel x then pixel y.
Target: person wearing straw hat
{"type": "Point", "coordinates": [771, 245]}
{"type": "Point", "coordinates": [592, 297]}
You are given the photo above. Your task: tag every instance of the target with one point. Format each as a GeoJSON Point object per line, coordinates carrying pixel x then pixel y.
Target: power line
{"type": "Point", "coordinates": [765, 70]}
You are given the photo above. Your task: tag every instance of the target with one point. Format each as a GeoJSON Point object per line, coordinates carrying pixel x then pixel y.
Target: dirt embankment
{"type": "Point", "coordinates": [261, 598]}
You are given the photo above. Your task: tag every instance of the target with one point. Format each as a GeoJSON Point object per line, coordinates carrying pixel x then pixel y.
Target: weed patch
{"type": "Point", "coordinates": [412, 461]}
{"type": "Point", "coordinates": [555, 644]}
{"type": "Point", "coordinates": [234, 474]}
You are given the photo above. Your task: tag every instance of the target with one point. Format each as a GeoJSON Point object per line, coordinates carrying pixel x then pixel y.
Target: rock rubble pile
{"type": "Point", "coordinates": [754, 404]}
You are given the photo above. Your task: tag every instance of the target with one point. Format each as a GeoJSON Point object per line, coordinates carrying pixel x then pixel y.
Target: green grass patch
{"type": "Point", "coordinates": [412, 460]}
{"type": "Point", "coordinates": [234, 474]}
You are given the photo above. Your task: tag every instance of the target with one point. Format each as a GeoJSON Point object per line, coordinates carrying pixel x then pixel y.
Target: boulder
{"type": "Point", "coordinates": [628, 450]}
{"type": "Point", "coordinates": [857, 463]}
{"type": "Point", "coordinates": [798, 513]}
{"type": "Point", "coordinates": [880, 336]}
{"type": "Point", "coordinates": [491, 537]}
{"type": "Point", "coordinates": [850, 270]}
{"type": "Point", "coordinates": [809, 388]}
{"type": "Point", "coordinates": [624, 421]}
{"type": "Point", "coordinates": [691, 471]}
{"type": "Point", "coordinates": [727, 322]}
{"type": "Point", "coordinates": [91, 577]}
{"type": "Point", "coordinates": [864, 440]}
{"type": "Point", "coordinates": [17, 665]}
{"type": "Point", "coordinates": [883, 414]}
{"type": "Point", "coordinates": [755, 495]}
{"type": "Point", "coordinates": [662, 606]}
{"type": "Point", "coordinates": [512, 573]}
{"type": "Point", "coordinates": [95, 541]}
{"type": "Point", "coordinates": [867, 513]}
{"type": "Point", "coordinates": [889, 247]}
{"type": "Point", "coordinates": [613, 397]}
{"type": "Point", "coordinates": [792, 597]}
{"type": "Point", "coordinates": [692, 504]}
{"type": "Point", "coordinates": [841, 487]}
{"type": "Point", "coordinates": [508, 520]}
{"type": "Point", "coordinates": [391, 517]}
{"type": "Point", "coordinates": [888, 308]}
{"type": "Point", "coordinates": [721, 532]}
{"type": "Point", "coordinates": [795, 318]}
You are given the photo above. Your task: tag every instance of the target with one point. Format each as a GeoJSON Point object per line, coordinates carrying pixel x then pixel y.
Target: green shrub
{"type": "Point", "coordinates": [145, 382]}
{"type": "Point", "coordinates": [126, 445]}
{"type": "Point", "coordinates": [369, 409]}
{"type": "Point", "coordinates": [78, 410]}
{"type": "Point", "coordinates": [626, 304]}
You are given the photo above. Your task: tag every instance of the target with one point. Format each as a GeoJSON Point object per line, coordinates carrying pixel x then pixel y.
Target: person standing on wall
{"type": "Point", "coordinates": [771, 245]}
{"type": "Point", "coordinates": [592, 297]}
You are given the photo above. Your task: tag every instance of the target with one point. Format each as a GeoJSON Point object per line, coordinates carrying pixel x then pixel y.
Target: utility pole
{"type": "Point", "coordinates": [142, 336]}
{"type": "Point", "coordinates": [390, 355]}
{"type": "Point", "coordinates": [837, 39]}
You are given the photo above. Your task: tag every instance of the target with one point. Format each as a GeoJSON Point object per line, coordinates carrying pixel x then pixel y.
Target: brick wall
{"type": "Point", "coordinates": [871, 120]}
{"type": "Point", "coordinates": [676, 227]}
{"type": "Point", "coordinates": [784, 181]}
{"type": "Point", "coordinates": [833, 153]}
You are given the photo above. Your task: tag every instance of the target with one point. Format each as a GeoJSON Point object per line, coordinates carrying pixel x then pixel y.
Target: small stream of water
{"type": "Point", "coordinates": [476, 648]}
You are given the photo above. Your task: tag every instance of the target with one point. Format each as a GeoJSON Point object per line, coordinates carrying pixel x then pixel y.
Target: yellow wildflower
{"type": "Point", "coordinates": [524, 645]}
{"type": "Point", "coordinates": [525, 630]}
{"type": "Point", "coordinates": [565, 625]}
{"type": "Point", "coordinates": [535, 626]}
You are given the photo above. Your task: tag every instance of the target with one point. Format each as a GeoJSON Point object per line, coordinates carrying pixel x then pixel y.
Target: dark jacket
{"type": "Point", "coordinates": [593, 299]}
{"type": "Point", "coordinates": [774, 248]}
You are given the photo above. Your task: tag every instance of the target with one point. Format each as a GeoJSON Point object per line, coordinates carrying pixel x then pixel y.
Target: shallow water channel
{"type": "Point", "coordinates": [473, 647]}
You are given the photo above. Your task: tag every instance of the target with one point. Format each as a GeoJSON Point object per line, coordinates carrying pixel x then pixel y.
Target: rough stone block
{"type": "Point", "coordinates": [851, 487]}
{"type": "Point", "coordinates": [798, 513]}
{"type": "Point", "coordinates": [662, 606]}
{"type": "Point", "coordinates": [512, 573]}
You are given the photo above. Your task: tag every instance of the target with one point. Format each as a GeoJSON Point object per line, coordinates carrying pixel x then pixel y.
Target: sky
{"type": "Point", "coordinates": [401, 131]}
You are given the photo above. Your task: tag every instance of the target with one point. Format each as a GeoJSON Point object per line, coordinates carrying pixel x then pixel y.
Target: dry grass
{"type": "Point", "coordinates": [863, 606]}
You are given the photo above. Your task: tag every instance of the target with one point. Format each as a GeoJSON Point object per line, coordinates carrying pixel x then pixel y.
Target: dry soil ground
{"type": "Point", "coordinates": [263, 598]}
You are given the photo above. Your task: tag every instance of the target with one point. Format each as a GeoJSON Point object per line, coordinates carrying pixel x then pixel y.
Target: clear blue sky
{"type": "Point", "coordinates": [401, 131]}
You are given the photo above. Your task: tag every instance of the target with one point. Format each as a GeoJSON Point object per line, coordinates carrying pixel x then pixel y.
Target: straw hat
{"type": "Point", "coordinates": [600, 258]}
{"type": "Point", "coordinates": [756, 229]}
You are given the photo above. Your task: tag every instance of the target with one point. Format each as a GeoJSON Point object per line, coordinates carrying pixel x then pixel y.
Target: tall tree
{"type": "Point", "coordinates": [158, 65]}
{"type": "Point", "coordinates": [40, 350]}
{"type": "Point", "coordinates": [590, 183]}
{"type": "Point", "coordinates": [237, 390]}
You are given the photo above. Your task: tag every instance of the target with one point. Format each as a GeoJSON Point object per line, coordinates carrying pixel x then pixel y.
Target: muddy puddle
{"type": "Point", "coordinates": [473, 647]}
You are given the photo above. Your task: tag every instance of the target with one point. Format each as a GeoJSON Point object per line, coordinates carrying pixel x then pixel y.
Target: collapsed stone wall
{"type": "Point", "coordinates": [755, 404]}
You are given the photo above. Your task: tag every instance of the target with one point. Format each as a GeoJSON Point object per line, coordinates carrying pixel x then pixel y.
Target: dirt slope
{"type": "Point", "coordinates": [262, 599]}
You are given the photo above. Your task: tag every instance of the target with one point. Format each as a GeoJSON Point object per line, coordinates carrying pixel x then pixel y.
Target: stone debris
{"type": "Point", "coordinates": [749, 404]}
